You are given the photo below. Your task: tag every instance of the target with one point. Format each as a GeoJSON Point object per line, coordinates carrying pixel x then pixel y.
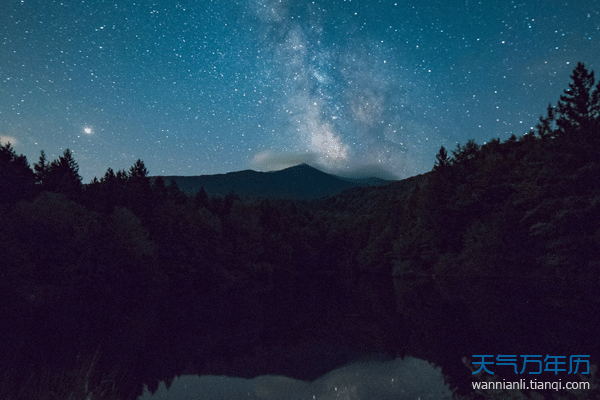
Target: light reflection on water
{"type": "Point", "coordinates": [407, 378]}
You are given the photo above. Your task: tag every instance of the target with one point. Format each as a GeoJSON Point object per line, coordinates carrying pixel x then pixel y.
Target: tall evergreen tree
{"type": "Point", "coordinates": [63, 175]}
{"type": "Point", "coordinates": [121, 175]}
{"type": "Point", "coordinates": [545, 128]}
{"type": "Point", "coordinates": [596, 104]}
{"type": "Point", "coordinates": [109, 176]}
{"type": "Point", "coordinates": [201, 198]}
{"type": "Point", "coordinates": [442, 160]}
{"type": "Point", "coordinates": [466, 153]}
{"type": "Point", "coordinates": [41, 168]}
{"type": "Point", "coordinates": [139, 190]}
{"type": "Point", "coordinates": [110, 190]}
{"type": "Point", "coordinates": [16, 177]}
{"type": "Point", "coordinates": [138, 170]}
{"type": "Point", "coordinates": [576, 105]}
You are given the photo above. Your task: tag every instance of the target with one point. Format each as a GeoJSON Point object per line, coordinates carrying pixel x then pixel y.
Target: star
{"type": "Point", "coordinates": [323, 82]}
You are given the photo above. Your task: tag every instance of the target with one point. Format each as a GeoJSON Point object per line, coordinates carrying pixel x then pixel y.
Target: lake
{"type": "Point", "coordinates": [369, 339]}
{"type": "Point", "coordinates": [358, 337]}
{"type": "Point", "coordinates": [407, 378]}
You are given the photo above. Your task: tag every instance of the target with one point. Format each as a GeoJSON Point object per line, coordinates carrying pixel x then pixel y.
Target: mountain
{"type": "Point", "coordinates": [298, 182]}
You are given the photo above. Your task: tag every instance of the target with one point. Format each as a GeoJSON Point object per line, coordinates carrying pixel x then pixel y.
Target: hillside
{"type": "Point", "coordinates": [298, 182]}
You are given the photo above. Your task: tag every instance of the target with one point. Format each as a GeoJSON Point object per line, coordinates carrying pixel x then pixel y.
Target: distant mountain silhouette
{"type": "Point", "coordinates": [298, 182]}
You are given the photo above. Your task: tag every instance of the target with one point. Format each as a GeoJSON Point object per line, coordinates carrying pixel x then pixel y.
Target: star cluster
{"type": "Point", "coordinates": [202, 87]}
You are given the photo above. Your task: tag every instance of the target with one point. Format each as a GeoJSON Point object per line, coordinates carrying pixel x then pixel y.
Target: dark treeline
{"type": "Point", "coordinates": [121, 277]}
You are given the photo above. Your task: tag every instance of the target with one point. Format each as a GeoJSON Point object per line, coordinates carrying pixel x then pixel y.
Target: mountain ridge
{"type": "Point", "coordinates": [301, 181]}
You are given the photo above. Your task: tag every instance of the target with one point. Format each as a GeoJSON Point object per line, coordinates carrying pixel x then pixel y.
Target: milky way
{"type": "Point", "coordinates": [201, 87]}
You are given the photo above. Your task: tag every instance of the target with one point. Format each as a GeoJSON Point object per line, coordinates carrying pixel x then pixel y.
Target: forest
{"type": "Point", "coordinates": [117, 279]}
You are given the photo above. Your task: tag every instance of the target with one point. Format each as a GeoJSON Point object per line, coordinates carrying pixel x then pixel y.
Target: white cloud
{"type": "Point", "coordinates": [8, 139]}
{"type": "Point", "coordinates": [271, 161]}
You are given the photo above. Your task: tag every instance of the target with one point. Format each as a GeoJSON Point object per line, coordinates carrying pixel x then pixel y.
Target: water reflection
{"type": "Point", "coordinates": [407, 378]}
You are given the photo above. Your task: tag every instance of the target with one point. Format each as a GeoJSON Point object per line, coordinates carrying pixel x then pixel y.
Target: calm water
{"type": "Point", "coordinates": [360, 337]}
{"type": "Point", "coordinates": [407, 378]}
{"type": "Point", "coordinates": [444, 320]}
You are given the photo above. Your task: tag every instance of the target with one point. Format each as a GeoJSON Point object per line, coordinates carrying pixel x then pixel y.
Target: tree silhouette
{"type": "Point", "coordinates": [201, 198]}
{"type": "Point", "coordinates": [579, 118]}
{"type": "Point", "coordinates": [595, 111]}
{"type": "Point", "coordinates": [63, 175]}
{"type": "Point", "coordinates": [139, 190]}
{"type": "Point", "coordinates": [138, 171]}
{"type": "Point", "coordinates": [16, 177]}
{"type": "Point", "coordinates": [121, 175]}
{"type": "Point", "coordinates": [41, 168]}
{"type": "Point", "coordinates": [55, 236]}
{"type": "Point", "coordinates": [109, 176]}
{"type": "Point", "coordinates": [576, 104]}
{"type": "Point", "coordinates": [442, 160]}
{"type": "Point", "coordinates": [545, 128]}
{"type": "Point", "coordinates": [463, 155]}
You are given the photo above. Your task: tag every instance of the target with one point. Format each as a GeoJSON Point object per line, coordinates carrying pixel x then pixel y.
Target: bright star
{"type": "Point", "coordinates": [88, 130]}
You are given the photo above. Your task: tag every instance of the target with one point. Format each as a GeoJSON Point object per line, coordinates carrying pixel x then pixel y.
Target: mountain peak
{"type": "Point", "coordinates": [303, 166]}
{"type": "Point", "coordinates": [301, 181]}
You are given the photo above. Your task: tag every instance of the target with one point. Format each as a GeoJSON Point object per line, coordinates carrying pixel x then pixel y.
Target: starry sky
{"type": "Point", "coordinates": [351, 86]}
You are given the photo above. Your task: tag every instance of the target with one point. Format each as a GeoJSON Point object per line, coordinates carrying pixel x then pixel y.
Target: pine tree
{"type": "Point", "coordinates": [63, 175]}
{"type": "Point", "coordinates": [16, 177]}
{"type": "Point", "coordinates": [596, 104]}
{"type": "Point", "coordinates": [579, 118]}
{"type": "Point", "coordinates": [138, 170]}
{"type": "Point", "coordinates": [576, 107]}
{"type": "Point", "coordinates": [545, 128]}
{"type": "Point", "coordinates": [41, 168]}
{"type": "Point", "coordinates": [442, 160]}
{"type": "Point", "coordinates": [466, 153]}
{"type": "Point", "coordinates": [139, 190]}
{"type": "Point", "coordinates": [201, 198]}
{"type": "Point", "coordinates": [110, 191]}
{"type": "Point", "coordinates": [121, 175]}
{"type": "Point", "coordinates": [109, 177]}
{"type": "Point", "coordinates": [159, 185]}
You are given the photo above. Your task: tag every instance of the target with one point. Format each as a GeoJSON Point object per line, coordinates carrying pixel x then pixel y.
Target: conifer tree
{"type": "Point", "coordinates": [545, 128]}
{"type": "Point", "coordinates": [110, 190]}
{"type": "Point", "coordinates": [138, 188]}
{"type": "Point", "coordinates": [159, 185]}
{"type": "Point", "coordinates": [63, 175]}
{"type": "Point", "coordinates": [201, 198]}
{"type": "Point", "coordinates": [442, 160]}
{"type": "Point", "coordinates": [121, 175]}
{"type": "Point", "coordinates": [138, 170]}
{"type": "Point", "coordinates": [109, 176]}
{"type": "Point", "coordinates": [596, 104]}
{"type": "Point", "coordinates": [576, 106]}
{"type": "Point", "coordinates": [466, 153]}
{"type": "Point", "coordinates": [16, 177]}
{"type": "Point", "coordinates": [41, 168]}
{"type": "Point", "coordinates": [173, 190]}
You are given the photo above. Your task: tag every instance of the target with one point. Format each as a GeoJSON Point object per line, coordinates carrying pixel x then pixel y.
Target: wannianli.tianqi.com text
{"type": "Point", "coordinates": [533, 384]}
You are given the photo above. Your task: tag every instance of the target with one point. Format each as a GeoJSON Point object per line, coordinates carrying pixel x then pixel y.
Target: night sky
{"type": "Point", "coordinates": [204, 87]}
